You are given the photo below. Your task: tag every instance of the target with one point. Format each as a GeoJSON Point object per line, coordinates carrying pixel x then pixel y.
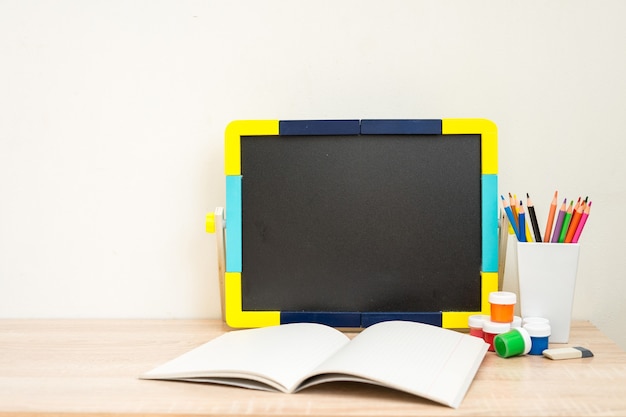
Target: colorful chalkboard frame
{"type": "Point", "coordinates": [234, 314]}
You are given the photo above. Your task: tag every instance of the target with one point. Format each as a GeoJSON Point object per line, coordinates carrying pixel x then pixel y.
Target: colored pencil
{"type": "Point", "coordinates": [533, 218]}
{"type": "Point", "coordinates": [509, 214]}
{"type": "Point", "coordinates": [521, 218]}
{"type": "Point", "coordinates": [581, 225]}
{"type": "Point", "coordinates": [546, 235]}
{"type": "Point", "coordinates": [573, 226]}
{"type": "Point", "coordinates": [566, 222]}
{"type": "Point", "coordinates": [514, 208]}
{"type": "Point", "coordinates": [511, 230]}
{"type": "Point", "coordinates": [523, 230]}
{"type": "Point", "coordinates": [559, 222]}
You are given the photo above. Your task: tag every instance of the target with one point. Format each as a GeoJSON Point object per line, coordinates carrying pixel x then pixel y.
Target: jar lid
{"type": "Point", "coordinates": [502, 297]}
{"type": "Point", "coordinates": [515, 342]}
{"type": "Point", "coordinates": [527, 342]}
{"type": "Point", "coordinates": [517, 322]}
{"type": "Point", "coordinates": [527, 320]}
{"type": "Point", "coordinates": [538, 329]}
{"type": "Point", "coordinates": [495, 327]}
{"type": "Point", "coordinates": [477, 320]}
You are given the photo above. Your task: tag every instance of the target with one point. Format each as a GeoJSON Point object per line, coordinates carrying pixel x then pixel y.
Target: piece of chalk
{"type": "Point", "coordinates": [567, 353]}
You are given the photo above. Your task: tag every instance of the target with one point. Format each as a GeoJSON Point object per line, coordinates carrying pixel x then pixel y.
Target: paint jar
{"type": "Point", "coordinates": [502, 306]}
{"type": "Point", "coordinates": [491, 329]}
{"type": "Point", "coordinates": [528, 320]}
{"type": "Point", "coordinates": [517, 322]}
{"type": "Point", "coordinates": [512, 343]}
{"type": "Point", "coordinates": [539, 335]}
{"type": "Point", "coordinates": [475, 323]}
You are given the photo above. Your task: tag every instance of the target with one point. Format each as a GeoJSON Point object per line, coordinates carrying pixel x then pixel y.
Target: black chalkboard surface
{"type": "Point", "coordinates": [386, 223]}
{"type": "Point", "coordinates": [339, 225]}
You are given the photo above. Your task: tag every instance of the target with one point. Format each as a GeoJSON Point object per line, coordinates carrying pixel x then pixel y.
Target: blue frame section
{"type": "Point", "coordinates": [489, 203]}
{"type": "Point", "coordinates": [401, 127]}
{"type": "Point", "coordinates": [434, 318]}
{"type": "Point", "coordinates": [232, 213]}
{"type": "Point", "coordinates": [318, 127]}
{"type": "Point", "coordinates": [329, 318]}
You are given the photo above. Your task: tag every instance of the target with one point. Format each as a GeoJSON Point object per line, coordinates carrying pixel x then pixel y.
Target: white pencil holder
{"type": "Point", "coordinates": [547, 279]}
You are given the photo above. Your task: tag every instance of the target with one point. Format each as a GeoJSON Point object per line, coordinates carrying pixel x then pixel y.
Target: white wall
{"type": "Point", "coordinates": [112, 116]}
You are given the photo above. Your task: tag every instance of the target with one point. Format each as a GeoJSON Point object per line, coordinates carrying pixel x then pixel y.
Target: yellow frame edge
{"type": "Point", "coordinates": [234, 315]}
{"type": "Point", "coordinates": [232, 140]}
{"type": "Point", "coordinates": [458, 319]}
{"type": "Point", "coordinates": [237, 318]}
{"type": "Point", "coordinates": [489, 138]}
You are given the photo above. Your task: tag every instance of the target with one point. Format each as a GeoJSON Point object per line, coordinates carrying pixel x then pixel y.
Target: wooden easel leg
{"type": "Point", "coordinates": [502, 247]}
{"type": "Point", "coordinates": [215, 224]}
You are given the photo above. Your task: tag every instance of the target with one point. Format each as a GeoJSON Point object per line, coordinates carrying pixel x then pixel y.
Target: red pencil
{"type": "Point", "coordinates": [546, 235]}
{"type": "Point", "coordinates": [581, 225]}
{"type": "Point", "coordinates": [578, 212]}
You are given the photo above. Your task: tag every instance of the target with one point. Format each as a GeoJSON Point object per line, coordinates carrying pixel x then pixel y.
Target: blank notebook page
{"type": "Point", "coordinates": [283, 353]}
{"type": "Point", "coordinates": [418, 358]}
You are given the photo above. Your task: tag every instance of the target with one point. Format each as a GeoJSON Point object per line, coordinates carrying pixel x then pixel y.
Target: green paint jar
{"type": "Point", "coordinates": [513, 343]}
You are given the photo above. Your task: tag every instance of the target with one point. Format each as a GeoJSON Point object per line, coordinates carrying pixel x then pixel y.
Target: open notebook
{"type": "Point", "coordinates": [424, 360]}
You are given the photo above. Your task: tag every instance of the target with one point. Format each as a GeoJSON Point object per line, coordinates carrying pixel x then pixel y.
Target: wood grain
{"type": "Point", "coordinates": [90, 367]}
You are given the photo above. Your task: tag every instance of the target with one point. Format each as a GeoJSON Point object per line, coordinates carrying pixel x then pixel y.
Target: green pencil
{"type": "Point", "coordinates": [566, 220]}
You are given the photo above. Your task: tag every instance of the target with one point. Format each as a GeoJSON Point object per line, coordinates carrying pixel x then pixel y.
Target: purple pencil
{"type": "Point", "coordinates": [559, 222]}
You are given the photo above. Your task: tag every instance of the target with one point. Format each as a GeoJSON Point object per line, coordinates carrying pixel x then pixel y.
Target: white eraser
{"type": "Point", "coordinates": [567, 353]}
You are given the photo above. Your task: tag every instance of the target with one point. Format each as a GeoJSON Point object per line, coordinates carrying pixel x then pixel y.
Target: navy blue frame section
{"type": "Point", "coordinates": [318, 127]}
{"type": "Point", "coordinates": [359, 127]}
{"type": "Point", "coordinates": [434, 318]}
{"type": "Point", "coordinates": [401, 127]}
{"type": "Point", "coordinates": [356, 319]}
{"type": "Point", "coordinates": [333, 319]}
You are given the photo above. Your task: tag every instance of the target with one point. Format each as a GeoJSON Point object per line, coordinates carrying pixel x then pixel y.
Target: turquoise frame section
{"type": "Point", "coordinates": [489, 189]}
{"type": "Point", "coordinates": [233, 224]}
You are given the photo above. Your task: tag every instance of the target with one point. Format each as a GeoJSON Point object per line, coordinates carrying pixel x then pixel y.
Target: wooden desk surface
{"type": "Point", "coordinates": [91, 367]}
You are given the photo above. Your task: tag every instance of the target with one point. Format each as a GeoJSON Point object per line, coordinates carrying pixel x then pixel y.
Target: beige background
{"type": "Point", "coordinates": [112, 116]}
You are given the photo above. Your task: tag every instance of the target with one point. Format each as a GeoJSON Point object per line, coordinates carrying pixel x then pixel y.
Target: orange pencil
{"type": "Point", "coordinates": [546, 235]}
{"type": "Point", "coordinates": [578, 212]}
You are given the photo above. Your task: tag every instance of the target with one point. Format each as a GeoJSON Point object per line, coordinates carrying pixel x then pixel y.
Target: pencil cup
{"type": "Point", "coordinates": [547, 278]}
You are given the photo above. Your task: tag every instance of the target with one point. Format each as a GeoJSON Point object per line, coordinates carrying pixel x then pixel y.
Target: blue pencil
{"type": "Point", "coordinates": [521, 218]}
{"type": "Point", "coordinates": [509, 213]}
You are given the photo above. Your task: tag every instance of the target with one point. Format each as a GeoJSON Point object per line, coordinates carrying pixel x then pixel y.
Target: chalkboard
{"type": "Point", "coordinates": [350, 222]}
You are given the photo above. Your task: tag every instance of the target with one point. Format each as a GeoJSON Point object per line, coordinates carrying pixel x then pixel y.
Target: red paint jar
{"type": "Point", "coordinates": [491, 329]}
{"type": "Point", "coordinates": [475, 323]}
